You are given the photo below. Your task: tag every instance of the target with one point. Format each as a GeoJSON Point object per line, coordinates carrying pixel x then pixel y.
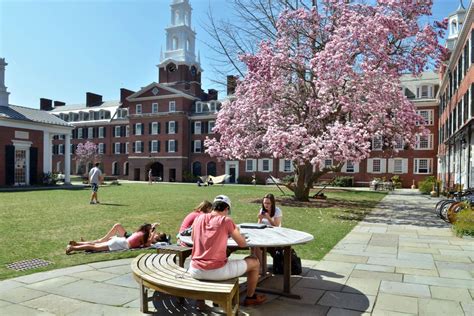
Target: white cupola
{"type": "Point", "coordinates": [455, 23]}
{"type": "Point", "coordinates": [3, 89]}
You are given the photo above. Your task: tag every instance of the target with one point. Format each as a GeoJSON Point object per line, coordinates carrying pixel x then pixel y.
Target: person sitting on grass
{"type": "Point", "coordinates": [209, 258]}
{"type": "Point", "coordinates": [118, 239]}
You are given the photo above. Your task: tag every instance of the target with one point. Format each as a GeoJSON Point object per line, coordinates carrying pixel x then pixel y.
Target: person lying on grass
{"type": "Point", "coordinates": [118, 239]}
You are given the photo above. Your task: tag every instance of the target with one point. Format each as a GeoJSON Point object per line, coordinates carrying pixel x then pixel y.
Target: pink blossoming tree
{"type": "Point", "coordinates": [327, 85]}
{"type": "Point", "coordinates": [86, 152]}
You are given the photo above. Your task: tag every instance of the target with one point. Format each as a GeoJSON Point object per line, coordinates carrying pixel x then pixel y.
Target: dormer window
{"type": "Point", "coordinates": [212, 106]}
{"type": "Point", "coordinates": [198, 107]}
{"type": "Point", "coordinates": [424, 92]}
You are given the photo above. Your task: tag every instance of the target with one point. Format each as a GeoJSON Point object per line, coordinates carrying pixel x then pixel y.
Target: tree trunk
{"type": "Point", "coordinates": [303, 181]}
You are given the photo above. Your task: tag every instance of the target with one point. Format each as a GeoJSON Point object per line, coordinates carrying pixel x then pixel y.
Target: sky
{"type": "Point", "coordinates": [61, 49]}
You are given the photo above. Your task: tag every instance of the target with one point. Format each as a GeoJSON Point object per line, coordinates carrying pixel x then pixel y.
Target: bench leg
{"type": "Point", "coordinates": [143, 299]}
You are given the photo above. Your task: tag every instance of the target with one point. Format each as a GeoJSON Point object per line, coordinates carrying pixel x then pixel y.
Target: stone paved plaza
{"type": "Point", "coordinates": [401, 260]}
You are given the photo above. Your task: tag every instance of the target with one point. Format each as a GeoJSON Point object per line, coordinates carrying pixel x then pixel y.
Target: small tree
{"type": "Point", "coordinates": [327, 85]}
{"type": "Point", "coordinates": [87, 152]}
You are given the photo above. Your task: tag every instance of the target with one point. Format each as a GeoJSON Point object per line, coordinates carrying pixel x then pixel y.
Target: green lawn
{"type": "Point", "coordinates": [38, 224]}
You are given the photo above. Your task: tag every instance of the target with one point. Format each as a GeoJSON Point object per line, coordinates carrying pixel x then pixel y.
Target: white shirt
{"type": "Point", "coordinates": [94, 175]}
{"type": "Point", "coordinates": [278, 213]}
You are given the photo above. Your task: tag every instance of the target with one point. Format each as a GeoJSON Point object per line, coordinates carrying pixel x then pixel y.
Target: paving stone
{"type": "Point", "coordinates": [317, 283]}
{"type": "Point", "coordinates": [379, 312]}
{"type": "Point", "coordinates": [461, 253]}
{"type": "Point", "coordinates": [468, 247]}
{"type": "Point", "coordinates": [16, 309]}
{"type": "Point", "coordinates": [428, 272]}
{"type": "Point", "coordinates": [448, 258]}
{"type": "Point", "coordinates": [433, 307]}
{"type": "Point", "coordinates": [105, 310]}
{"type": "Point", "coordinates": [20, 294]}
{"type": "Point", "coordinates": [428, 280]}
{"type": "Point", "coordinates": [362, 286]}
{"type": "Point", "coordinates": [7, 285]}
{"type": "Point", "coordinates": [396, 303]}
{"type": "Point", "coordinates": [55, 304]}
{"type": "Point", "coordinates": [374, 267]}
{"type": "Point", "coordinates": [468, 308]}
{"type": "Point", "coordinates": [455, 265]}
{"type": "Point", "coordinates": [405, 289]}
{"type": "Point", "coordinates": [95, 275]}
{"type": "Point", "coordinates": [444, 246]}
{"type": "Point", "coordinates": [376, 275]}
{"type": "Point", "coordinates": [402, 263]}
{"type": "Point", "coordinates": [371, 254]}
{"type": "Point", "coordinates": [333, 266]}
{"type": "Point", "coordinates": [4, 303]}
{"type": "Point", "coordinates": [347, 301]}
{"type": "Point", "coordinates": [111, 263]}
{"type": "Point", "coordinates": [345, 258]}
{"type": "Point", "coordinates": [51, 283]}
{"type": "Point", "coordinates": [41, 276]}
{"type": "Point", "coordinates": [378, 230]}
{"type": "Point", "coordinates": [308, 296]}
{"type": "Point", "coordinates": [121, 269]}
{"type": "Point", "coordinates": [418, 250]}
{"type": "Point", "coordinates": [334, 311]}
{"type": "Point", "coordinates": [412, 244]}
{"type": "Point", "coordinates": [126, 280]}
{"type": "Point", "coordinates": [378, 249]}
{"type": "Point", "coordinates": [410, 256]}
{"type": "Point", "coordinates": [451, 294]}
{"type": "Point", "coordinates": [438, 232]}
{"type": "Point", "coordinates": [423, 240]}
{"type": "Point", "coordinates": [456, 274]}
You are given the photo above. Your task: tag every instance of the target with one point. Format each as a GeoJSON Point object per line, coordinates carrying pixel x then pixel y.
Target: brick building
{"type": "Point", "coordinates": [456, 119]}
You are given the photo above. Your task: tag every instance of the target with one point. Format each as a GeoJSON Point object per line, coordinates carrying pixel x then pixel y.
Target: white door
{"type": "Point", "coordinates": [20, 167]}
{"type": "Point", "coordinates": [232, 169]}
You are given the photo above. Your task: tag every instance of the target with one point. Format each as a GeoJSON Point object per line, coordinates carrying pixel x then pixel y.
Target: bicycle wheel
{"type": "Point", "coordinates": [444, 210]}
{"type": "Point", "coordinates": [453, 211]}
{"type": "Point", "coordinates": [438, 206]}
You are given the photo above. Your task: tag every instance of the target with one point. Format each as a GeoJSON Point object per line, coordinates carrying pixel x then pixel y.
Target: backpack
{"type": "Point", "coordinates": [278, 259]}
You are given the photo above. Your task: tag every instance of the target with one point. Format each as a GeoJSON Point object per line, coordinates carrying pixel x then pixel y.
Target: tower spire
{"type": "Point", "coordinates": [3, 89]}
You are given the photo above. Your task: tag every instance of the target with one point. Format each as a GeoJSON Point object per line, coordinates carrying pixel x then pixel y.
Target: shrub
{"type": "Point", "coordinates": [50, 178]}
{"type": "Point", "coordinates": [245, 179]}
{"type": "Point", "coordinates": [343, 181]}
{"type": "Point", "coordinates": [426, 185]}
{"type": "Point", "coordinates": [289, 178]}
{"type": "Point", "coordinates": [397, 182]}
{"type": "Point", "coordinates": [189, 177]}
{"type": "Point", "coordinates": [464, 224]}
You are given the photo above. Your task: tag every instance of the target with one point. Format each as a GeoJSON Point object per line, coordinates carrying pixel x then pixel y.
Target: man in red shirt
{"type": "Point", "coordinates": [209, 260]}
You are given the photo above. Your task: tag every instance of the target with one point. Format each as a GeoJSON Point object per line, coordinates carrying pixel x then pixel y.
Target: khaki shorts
{"type": "Point", "coordinates": [232, 269]}
{"type": "Point", "coordinates": [117, 243]}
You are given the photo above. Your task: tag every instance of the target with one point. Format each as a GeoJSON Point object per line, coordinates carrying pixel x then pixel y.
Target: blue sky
{"type": "Point", "coordinates": [61, 49]}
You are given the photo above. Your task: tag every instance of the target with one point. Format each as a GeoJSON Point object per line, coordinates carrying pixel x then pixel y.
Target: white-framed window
{"type": "Point", "coordinates": [61, 149]}
{"type": "Point", "coordinates": [250, 165]}
{"type": "Point", "coordinates": [127, 131]}
{"type": "Point", "coordinates": [101, 114]}
{"type": "Point", "coordinates": [154, 146]}
{"type": "Point", "coordinates": [117, 131]}
{"type": "Point", "coordinates": [197, 127]}
{"type": "Point", "coordinates": [424, 92]}
{"type": "Point", "coordinates": [424, 142]}
{"type": "Point", "coordinates": [154, 128]}
{"type": "Point", "coordinates": [138, 129]}
{"type": "Point", "coordinates": [198, 107]}
{"type": "Point", "coordinates": [197, 146]}
{"type": "Point", "coordinates": [376, 165]}
{"type": "Point", "coordinates": [138, 109]}
{"type": "Point", "coordinates": [154, 108]}
{"type": "Point", "coordinates": [399, 143]}
{"type": "Point", "coordinates": [327, 163]}
{"type": "Point", "coordinates": [213, 106]}
{"type": "Point", "coordinates": [172, 146]}
{"type": "Point", "coordinates": [423, 165]}
{"type": "Point", "coordinates": [350, 166]}
{"type": "Point", "coordinates": [101, 148]}
{"type": "Point", "coordinates": [287, 166]}
{"type": "Point", "coordinates": [265, 165]}
{"type": "Point", "coordinates": [172, 106]}
{"type": "Point", "coordinates": [171, 127]}
{"type": "Point", "coordinates": [427, 116]}
{"type": "Point", "coordinates": [210, 126]}
{"type": "Point", "coordinates": [377, 143]}
{"type": "Point", "coordinates": [79, 133]}
{"type": "Point", "coordinates": [90, 132]}
{"type": "Point", "coordinates": [101, 132]}
{"type": "Point", "coordinates": [126, 147]}
{"type": "Point", "coordinates": [397, 165]}
{"type": "Point", "coordinates": [116, 148]}
{"type": "Point", "coordinates": [138, 146]}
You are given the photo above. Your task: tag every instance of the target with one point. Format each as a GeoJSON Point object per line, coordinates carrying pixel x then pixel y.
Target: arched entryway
{"type": "Point", "coordinates": [211, 169]}
{"type": "Point", "coordinates": [156, 171]}
{"type": "Point", "coordinates": [197, 168]}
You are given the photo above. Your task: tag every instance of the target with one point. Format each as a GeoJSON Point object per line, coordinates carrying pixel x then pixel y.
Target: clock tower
{"type": "Point", "coordinates": [179, 66]}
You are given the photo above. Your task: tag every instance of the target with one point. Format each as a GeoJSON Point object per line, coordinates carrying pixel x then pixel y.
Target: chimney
{"type": "Point", "coordinates": [58, 103]}
{"type": "Point", "coordinates": [46, 104]}
{"type": "Point", "coordinates": [212, 94]}
{"type": "Point", "coordinates": [93, 99]}
{"type": "Point", "coordinates": [231, 84]}
{"type": "Point", "coordinates": [124, 93]}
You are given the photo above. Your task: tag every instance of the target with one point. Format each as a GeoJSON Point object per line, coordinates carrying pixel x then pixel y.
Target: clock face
{"type": "Point", "coordinates": [193, 70]}
{"type": "Point", "coordinates": [171, 67]}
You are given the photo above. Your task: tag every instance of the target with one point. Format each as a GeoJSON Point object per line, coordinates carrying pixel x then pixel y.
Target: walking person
{"type": "Point", "coordinates": [150, 176]}
{"type": "Point", "coordinates": [95, 178]}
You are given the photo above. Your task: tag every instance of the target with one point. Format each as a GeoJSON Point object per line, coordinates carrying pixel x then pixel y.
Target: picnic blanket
{"type": "Point", "coordinates": [215, 179]}
{"type": "Point", "coordinates": [153, 246]}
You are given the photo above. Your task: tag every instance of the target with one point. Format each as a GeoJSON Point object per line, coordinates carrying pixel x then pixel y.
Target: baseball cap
{"type": "Point", "coordinates": [223, 198]}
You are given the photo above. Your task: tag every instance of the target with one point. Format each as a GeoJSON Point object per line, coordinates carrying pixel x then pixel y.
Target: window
{"type": "Point", "coordinates": [127, 131]}
{"type": "Point", "coordinates": [172, 106]}
{"type": "Point", "coordinates": [250, 165]}
{"type": "Point", "coordinates": [61, 149]}
{"type": "Point", "coordinates": [171, 127]}
{"type": "Point", "coordinates": [90, 132]}
{"type": "Point", "coordinates": [376, 165]}
{"type": "Point", "coordinates": [126, 147]}
{"type": "Point", "coordinates": [287, 166]}
{"type": "Point", "coordinates": [138, 129]}
{"type": "Point", "coordinates": [327, 163]}
{"type": "Point", "coordinates": [197, 127]}
{"type": "Point", "coordinates": [398, 166]}
{"type": "Point", "coordinates": [115, 168]}
{"type": "Point", "coordinates": [79, 133]}
{"type": "Point", "coordinates": [265, 165]}
{"type": "Point", "coordinates": [116, 148]}
{"type": "Point", "coordinates": [138, 109]}
{"type": "Point", "coordinates": [211, 125]}
{"type": "Point", "coordinates": [197, 146]}
{"type": "Point", "coordinates": [172, 146]}
{"type": "Point", "coordinates": [101, 115]}
{"type": "Point", "coordinates": [427, 116]}
{"type": "Point", "coordinates": [154, 108]}
{"type": "Point", "coordinates": [101, 148]}
{"type": "Point", "coordinates": [423, 165]}
{"type": "Point", "coordinates": [138, 147]}
{"type": "Point", "coordinates": [424, 142]}
{"type": "Point", "coordinates": [154, 146]}
{"type": "Point", "coordinates": [399, 143]}
{"type": "Point", "coordinates": [377, 143]}
{"type": "Point", "coordinates": [101, 132]}
{"type": "Point", "coordinates": [117, 131]}
{"type": "Point", "coordinates": [154, 128]}
{"type": "Point", "coordinates": [212, 106]}
{"type": "Point", "coordinates": [350, 167]}
{"type": "Point", "coordinates": [198, 107]}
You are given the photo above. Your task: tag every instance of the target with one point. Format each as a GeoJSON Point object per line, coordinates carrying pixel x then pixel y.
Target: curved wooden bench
{"type": "Point", "coordinates": [160, 273]}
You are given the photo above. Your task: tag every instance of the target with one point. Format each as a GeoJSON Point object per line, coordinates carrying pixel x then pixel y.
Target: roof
{"type": "Point", "coordinates": [21, 113]}
{"type": "Point", "coordinates": [83, 107]}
